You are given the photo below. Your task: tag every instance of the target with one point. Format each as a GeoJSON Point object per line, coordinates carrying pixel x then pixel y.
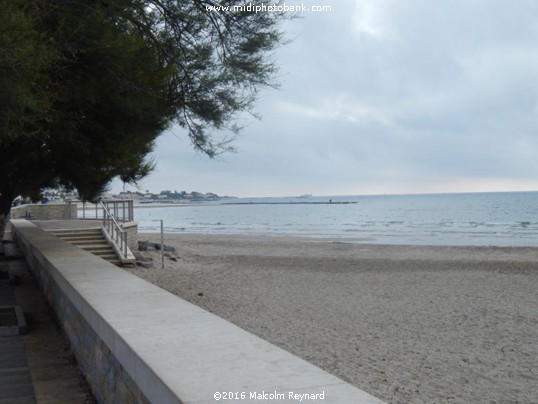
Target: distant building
{"type": "Point", "coordinates": [129, 195]}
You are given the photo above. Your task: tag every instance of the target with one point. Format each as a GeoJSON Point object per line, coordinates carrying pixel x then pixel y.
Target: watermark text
{"type": "Point", "coordinates": [269, 7]}
{"type": "Point", "coordinates": [267, 395]}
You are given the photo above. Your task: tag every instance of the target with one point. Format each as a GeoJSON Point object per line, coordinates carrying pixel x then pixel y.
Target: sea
{"type": "Point", "coordinates": [464, 219]}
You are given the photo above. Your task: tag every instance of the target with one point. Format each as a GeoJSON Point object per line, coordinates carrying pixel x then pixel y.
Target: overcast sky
{"type": "Point", "coordinates": [384, 96]}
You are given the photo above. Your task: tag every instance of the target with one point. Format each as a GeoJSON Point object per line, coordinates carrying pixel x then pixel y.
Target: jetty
{"type": "Point", "coordinates": [291, 203]}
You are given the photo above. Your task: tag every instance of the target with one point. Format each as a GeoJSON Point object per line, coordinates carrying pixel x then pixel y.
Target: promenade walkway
{"type": "Point", "coordinates": [37, 367]}
{"type": "Point", "coordinates": [15, 380]}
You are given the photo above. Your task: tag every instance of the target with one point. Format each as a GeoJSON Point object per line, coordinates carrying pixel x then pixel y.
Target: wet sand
{"type": "Point", "coordinates": [408, 324]}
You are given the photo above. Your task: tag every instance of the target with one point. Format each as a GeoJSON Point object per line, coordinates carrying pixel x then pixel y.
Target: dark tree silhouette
{"type": "Point", "coordinates": [87, 86]}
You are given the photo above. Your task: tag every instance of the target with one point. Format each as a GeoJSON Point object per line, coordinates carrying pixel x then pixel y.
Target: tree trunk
{"type": "Point", "coordinates": [5, 208]}
{"type": "Point", "coordinates": [5, 203]}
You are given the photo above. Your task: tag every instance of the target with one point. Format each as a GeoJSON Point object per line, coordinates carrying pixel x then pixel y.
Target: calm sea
{"type": "Point", "coordinates": [499, 219]}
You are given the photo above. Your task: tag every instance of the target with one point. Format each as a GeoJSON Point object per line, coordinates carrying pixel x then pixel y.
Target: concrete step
{"type": "Point", "coordinates": [82, 237]}
{"type": "Point", "coordinates": [110, 255]}
{"type": "Point", "coordinates": [100, 251]}
{"type": "Point", "coordinates": [91, 240]}
{"type": "Point", "coordinates": [94, 248]}
{"type": "Point", "coordinates": [94, 240]}
{"type": "Point", "coordinates": [108, 250]}
{"type": "Point", "coordinates": [88, 230]}
{"type": "Point", "coordinates": [100, 241]}
{"type": "Point", "coordinates": [65, 233]}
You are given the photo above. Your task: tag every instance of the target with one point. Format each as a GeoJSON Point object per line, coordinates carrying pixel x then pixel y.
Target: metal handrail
{"type": "Point", "coordinates": [114, 229]}
{"type": "Point", "coordinates": [123, 206]}
{"type": "Point", "coordinates": [123, 209]}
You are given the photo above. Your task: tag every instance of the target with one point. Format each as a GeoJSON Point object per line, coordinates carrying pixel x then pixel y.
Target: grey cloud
{"type": "Point", "coordinates": [388, 95]}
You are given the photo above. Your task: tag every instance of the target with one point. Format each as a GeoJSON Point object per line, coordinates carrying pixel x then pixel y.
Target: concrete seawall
{"type": "Point", "coordinates": [138, 343]}
{"type": "Point", "coordinates": [49, 211]}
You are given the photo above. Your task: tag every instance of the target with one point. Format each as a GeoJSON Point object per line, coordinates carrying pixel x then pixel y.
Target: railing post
{"type": "Point", "coordinates": [115, 230]}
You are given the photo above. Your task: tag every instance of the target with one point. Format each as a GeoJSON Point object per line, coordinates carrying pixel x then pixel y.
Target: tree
{"type": "Point", "coordinates": [25, 58]}
{"type": "Point", "coordinates": [87, 86]}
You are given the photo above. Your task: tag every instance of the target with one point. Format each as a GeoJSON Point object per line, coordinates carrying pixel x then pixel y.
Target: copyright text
{"type": "Point", "coordinates": [264, 395]}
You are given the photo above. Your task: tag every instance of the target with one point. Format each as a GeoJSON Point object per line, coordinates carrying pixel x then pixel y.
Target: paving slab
{"type": "Point", "coordinates": [37, 367]}
{"type": "Point", "coordinates": [15, 380]}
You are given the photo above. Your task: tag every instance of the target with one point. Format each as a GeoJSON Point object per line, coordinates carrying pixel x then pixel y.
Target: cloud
{"type": "Point", "coordinates": [369, 18]}
{"type": "Point", "coordinates": [387, 96]}
{"type": "Point", "coordinates": [336, 109]}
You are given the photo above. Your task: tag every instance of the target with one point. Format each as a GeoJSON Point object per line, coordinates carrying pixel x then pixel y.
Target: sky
{"type": "Point", "coordinates": [383, 97]}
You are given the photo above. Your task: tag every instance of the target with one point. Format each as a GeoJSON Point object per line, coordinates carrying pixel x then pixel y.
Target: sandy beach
{"type": "Point", "coordinates": [408, 324]}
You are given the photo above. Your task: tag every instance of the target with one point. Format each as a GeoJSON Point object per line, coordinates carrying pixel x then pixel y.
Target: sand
{"type": "Point", "coordinates": [408, 324]}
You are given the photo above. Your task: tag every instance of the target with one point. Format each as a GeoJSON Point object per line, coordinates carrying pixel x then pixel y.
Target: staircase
{"type": "Point", "coordinates": [91, 240]}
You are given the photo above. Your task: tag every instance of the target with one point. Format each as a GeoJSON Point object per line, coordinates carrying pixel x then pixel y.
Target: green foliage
{"type": "Point", "coordinates": [26, 56]}
{"type": "Point", "coordinates": [87, 86]}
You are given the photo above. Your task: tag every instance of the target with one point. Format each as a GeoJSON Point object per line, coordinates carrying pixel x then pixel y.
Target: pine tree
{"type": "Point", "coordinates": [89, 85]}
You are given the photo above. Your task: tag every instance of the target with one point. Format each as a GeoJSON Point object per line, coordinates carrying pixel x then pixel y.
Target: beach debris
{"type": "Point", "coordinates": [169, 248]}
{"type": "Point", "coordinates": [142, 261]}
{"type": "Point", "coordinates": [200, 294]}
{"type": "Point", "coordinates": [171, 257]}
{"type": "Point", "coordinates": [145, 245]}
{"type": "Point", "coordinates": [146, 264]}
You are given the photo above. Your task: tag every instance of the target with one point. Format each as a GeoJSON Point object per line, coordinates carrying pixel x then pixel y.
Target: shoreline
{"type": "Point", "coordinates": [404, 323]}
{"type": "Point", "coordinates": [336, 239]}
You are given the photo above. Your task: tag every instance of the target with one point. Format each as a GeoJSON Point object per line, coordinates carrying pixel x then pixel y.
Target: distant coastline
{"type": "Point", "coordinates": [329, 202]}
